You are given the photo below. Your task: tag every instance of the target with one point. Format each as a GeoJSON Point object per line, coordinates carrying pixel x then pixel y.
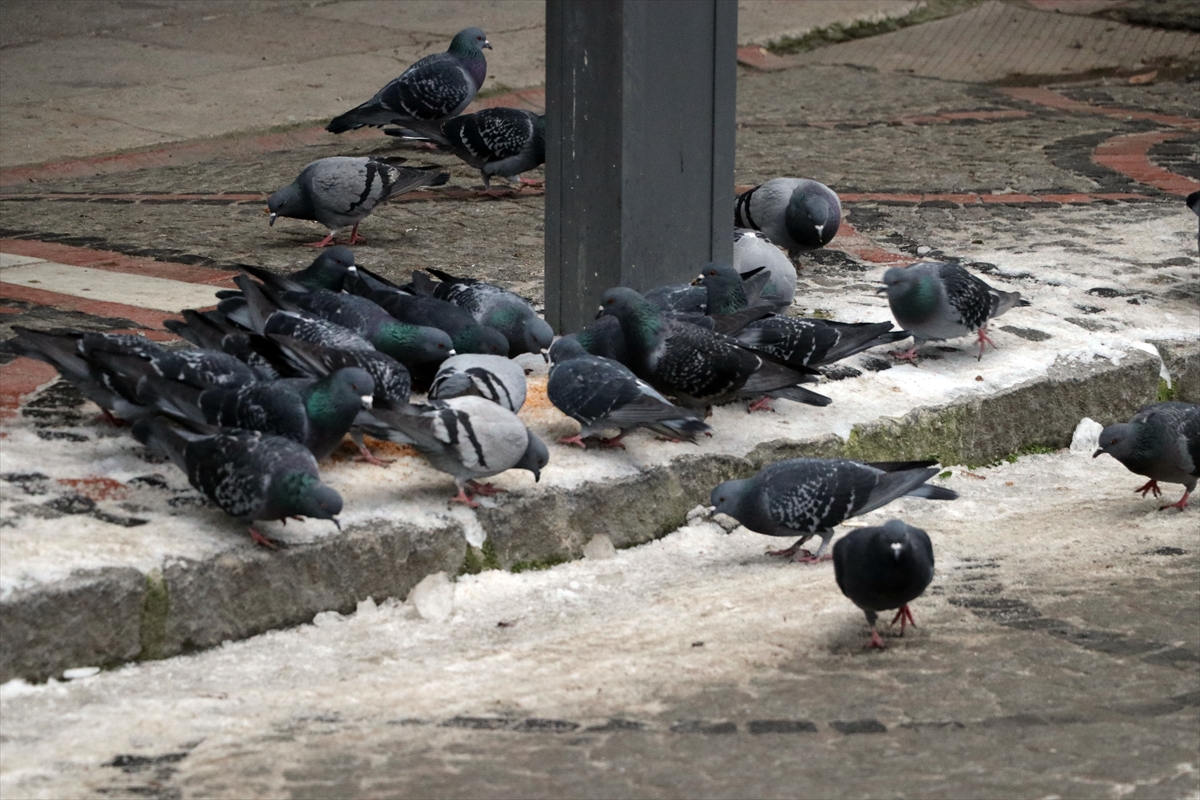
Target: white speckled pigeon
{"type": "Point", "coordinates": [433, 89]}
{"type": "Point", "coordinates": [249, 475]}
{"type": "Point", "coordinates": [751, 250]}
{"type": "Point", "coordinates": [601, 394]}
{"type": "Point", "coordinates": [936, 300]}
{"type": "Point", "coordinates": [696, 366]}
{"type": "Point", "coordinates": [801, 342]}
{"type": "Point", "coordinates": [491, 305]}
{"type": "Point", "coordinates": [795, 213]}
{"type": "Point", "coordinates": [803, 496]}
{"type": "Point", "coordinates": [341, 191]}
{"type": "Point", "coordinates": [500, 142]}
{"type": "Point", "coordinates": [882, 568]}
{"type": "Point", "coordinates": [1162, 442]}
{"type": "Point", "coordinates": [467, 437]}
{"type": "Point", "coordinates": [494, 378]}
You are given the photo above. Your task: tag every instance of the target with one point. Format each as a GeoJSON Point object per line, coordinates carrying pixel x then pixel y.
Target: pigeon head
{"type": "Point", "coordinates": [911, 291]}
{"type": "Point", "coordinates": [329, 270]}
{"type": "Point", "coordinates": [481, 339]}
{"type": "Point", "coordinates": [290, 201]}
{"type": "Point", "coordinates": [726, 288]}
{"type": "Point", "coordinates": [726, 498]}
{"type": "Point", "coordinates": [535, 457]}
{"type": "Point", "coordinates": [538, 334]}
{"type": "Point", "coordinates": [813, 214]}
{"type": "Point", "coordinates": [566, 348]}
{"type": "Point", "coordinates": [894, 539]}
{"type": "Point", "coordinates": [469, 41]}
{"type": "Point", "coordinates": [413, 344]}
{"type": "Point", "coordinates": [352, 382]}
{"type": "Point", "coordinates": [303, 495]}
{"type": "Point", "coordinates": [1121, 441]}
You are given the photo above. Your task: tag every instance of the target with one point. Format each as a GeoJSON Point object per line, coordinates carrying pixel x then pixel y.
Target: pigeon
{"type": "Point", "coordinates": [697, 367]}
{"type": "Point", "coordinates": [212, 330]}
{"type": "Point", "coordinates": [494, 378]}
{"type": "Point", "coordinates": [408, 344]}
{"type": "Point", "coordinates": [803, 496]}
{"type": "Point", "coordinates": [881, 568]}
{"type": "Point", "coordinates": [316, 413]}
{"type": "Point", "coordinates": [433, 89]}
{"type": "Point", "coordinates": [247, 474]}
{"type": "Point", "coordinates": [498, 141]}
{"type": "Point", "coordinates": [601, 394]}
{"type": "Point", "coordinates": [341, 191]}
{"type": "Point", "coordinates": [1162, 442]}
{"type": "Point", "coordinates": [802, 342]}
{"type": "Point", "coordinates": [795, 213]}
{"type": "Point", "coordinates": [201, 368]}
{"type": "Point", "coordinates": [297, 359]}
{"type": "Point", "coordinates": [466, 335]}
{"type": "Point", "coordinates": [752, 250]}
{"type": "Point", "coordinates": [1193, 203]}
{"type": "Point", "coordinates": [938, 300]}
{"type": "Point", "coordinates": [493, 306]}
{"type": "Point", "coordinates": [327, 271]}
{"type": "Point", "coordinates": [468, 437]}
{"type": "Point", "coordinates": [604, 338]}
{"type": "Point", "coordinates": [718, 291]}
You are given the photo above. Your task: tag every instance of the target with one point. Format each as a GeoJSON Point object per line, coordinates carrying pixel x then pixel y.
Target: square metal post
{"type": "Point", "coordinates": [640, 127]}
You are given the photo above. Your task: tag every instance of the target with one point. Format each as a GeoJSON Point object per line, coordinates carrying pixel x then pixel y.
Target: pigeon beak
{"type": "Point", "coordinates": [881, 289]}
{"type": "Point", "coordinates": [698, 280]}
{"type": "Point", "coordinates": [334, 520]}
{"type": "Point", "coordinates": [711, 511]}
{"type": "Point", "coordinates": [896, 548]}
{"type": "Point", "coordinates": [486, 44]}
{"type": "Point", "coordinates": [271, 221]}
{"type": "Point", "coordinates": [368, 401]}
{"type": "Point", "coordinates": [600, 312]}
{"type": "Point", "coordinates": [1099, 450]}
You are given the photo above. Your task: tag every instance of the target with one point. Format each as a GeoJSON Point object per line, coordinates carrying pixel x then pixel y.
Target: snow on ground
{"type": "Point", "coordinates": [590, 639]}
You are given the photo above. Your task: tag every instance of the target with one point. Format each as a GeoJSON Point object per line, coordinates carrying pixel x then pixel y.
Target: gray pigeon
{"type": "Point", "coordinates": [316, 413]}
{"type": "Point", "coordinates": [801, 342]}
{"type": "Point", "coordinates": [327, 271]}
{"type": "Point", "coordinates": [803, 496]}
{"type": "Point", "coordinates": [492, 306]}
{"type": "Point", "coordinates": [752, 250]}
{"type": "Point", "coordinates": [499, 142]}
{"type": "Point", "coordinates": [1162, 442]}
{"type": "Point", "coordinates": [437, 87]}
{"type": "Point", "coordinates": [248, 475]}
{"type": "Point", "coordinates": [1193, 203]}
{"type": "Point", "coordinates": [467, 437]}
{"type": "Point", "coordinates": [341, 191]}
{"type": "Point", "coordinates": [601, 394]}
{"type": "Point", "coordinates": [604, 338]}
{"type": "Point", "coordinates": [938, 300]}
{"type": "Point", "coordinates": [494, 378]}
{"type": "Point", "coordinates": [882, 568]}
{"type": "Point", "coordinates": [696, 366]}
{"type": "Point", "coordinates": [795, 213]}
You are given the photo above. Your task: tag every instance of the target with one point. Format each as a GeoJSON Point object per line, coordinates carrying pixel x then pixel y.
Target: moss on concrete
{"type": "Point", "coordinates": [478, 559]}
{"type": "Point", "coordinates": [1165, 391]}
{"type": "Point", "coordinates": [539, 564]}
{"type": "Point", "coordinates": [154, 616]}
{"type": "Point", "coordinates": [837, 33]}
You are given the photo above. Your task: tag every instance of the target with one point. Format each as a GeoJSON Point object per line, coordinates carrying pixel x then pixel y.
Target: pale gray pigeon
{"type": "Point", "coordinates": [494, 378]}
{"type": "Point", "coordinates": [936, 300]}
{"type": "Point", "coordinates": [341, 191]}
{"type": "Point", "coordinates": [795, 213]}
{"type": "Point", "coordinates": [1162, 442]}
{"type": "Point", "coordinates": [601, 394]}
{"type": "Point", "coordinates": [803, 496]}
{"type": "Point", "coordinates": [248, 475]}
{"type": "Point", "coordinates": [751, 250]}
{"type": "Point", "coordinates": [882, 568]}
{"type": "Point", "coordinates": [437, 87]}
{"type": "Point", "coordinates": [467, 437]}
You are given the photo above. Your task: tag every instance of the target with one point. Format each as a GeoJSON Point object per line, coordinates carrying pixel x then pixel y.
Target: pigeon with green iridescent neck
{"type": "Point", "coordinates": [316, 413]}
{"type": "Point", "coordinates": [881, 568]}
{"type": "Point", "coordinates": [1161, 442]}
{"type": "Point", "coordinates": [437, 87]}
{"type": "Point", "coordinates": [698, 367]}
{"type": "Point", "coordinates": [806, 496]}
{"type": "Point", "coordinates": [490, 305]}
{"type": "Point", "coordinates": [795, 213]}
{"type": "Point", "coordinates": [937, 300]}
{"type": "Point", "coordinates": [248, 475]}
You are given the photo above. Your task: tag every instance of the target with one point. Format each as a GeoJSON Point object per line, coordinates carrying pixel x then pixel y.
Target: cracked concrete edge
{"type": "Point", "coordinates": [109, 616]}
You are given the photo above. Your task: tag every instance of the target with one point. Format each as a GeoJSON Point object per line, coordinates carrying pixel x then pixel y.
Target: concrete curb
{"type": "Point", "coordinates": [106, 617]}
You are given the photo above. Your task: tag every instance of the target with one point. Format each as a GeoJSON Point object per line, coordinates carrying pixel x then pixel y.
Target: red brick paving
{"type": "Point", "coordinates": [20, 378]}
{"type": "Point", "coordinates": [146, 317]}
{"type": "Point", "coordinates": [1127, 154]}
{"type": "Point", "coordinates": [1052, 99]}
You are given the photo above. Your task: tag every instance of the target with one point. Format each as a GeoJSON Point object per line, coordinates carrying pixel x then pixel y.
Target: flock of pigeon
{"type": "Point", "coordinates": [287, 365]}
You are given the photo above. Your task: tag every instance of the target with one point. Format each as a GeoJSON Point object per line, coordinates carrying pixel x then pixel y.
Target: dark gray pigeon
{"type": "Point", "coordinates": [697, 367]}
{"type": "Point", "coordinates": [936, 300]}
{"type": "Point", "coordinates": [327, 271]}
{"type": "Point", "coordinates": [752, 250]}
{"type": "Point", "coordinates": [500, 142]}
{"type": "Point", "coordinates": [604, 338]}
{"type": "Point", "coordinates": [433, 89]}
{"type": "Point", "coordinates": [795, 213]}
{"type": "Point", "coordinates": [492, 306]}
{"type": "Point", "coordinates": [802, 342]}
{"type": "Point", "coordinates": [1162, 442]}
{"type": "Point", "coordinates": [494, 378]}
{"type": "Point", "coordinates": [803, 496]}
{"type": "Point", "coordinates": [882, 568]}
{"type": "Point", "coordinates": [316, 413]}
{"type": "Point", "coordinates": [248, 475]}
{"type": "Point", "coordinates": [341, 191]}
{"type": "Point", "coordinates": [1193, 203]}
{"type": "Point", "coordinates": [467, 437]}
{"type": "Point", "coordinates": [601, 394]}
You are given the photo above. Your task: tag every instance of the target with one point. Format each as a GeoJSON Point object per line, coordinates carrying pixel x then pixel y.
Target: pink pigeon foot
{"type": "Point", "coordinates": [263, 541]}
{"type": "Point", "coordinates": [326, 242]}
{"type": "Point", "coordinates": [529, 182]}
{"type": "Point", "coordinates": [354, 237]}
{"type": "Point", "coordinates": [366, 455]}
{"type": "Point", "coordinates": [905, 355]}
{"type": "Point", "coordinates": [761, 404]}
{"type": "Point", "coordinates": [464, 498]}
{"type": "Point", "coordinates": [983, 339]}
{"type": "Point", "coordinates": [1151, 486]}
{"type": "Point", "coordinates": [1182, 504]}
{"type": "Point", "coordinates": [905, 616]}
{"type": "Point", "coordinates": [485, 489]}
{"type": "Point", "coordinates": [613, 443]}
{"type": "Point", "coordinates": [794, 551]}
{"type": "Point", "coordinates": [577, 439]}
{"type": "Point", "coordinates": [876, 641]}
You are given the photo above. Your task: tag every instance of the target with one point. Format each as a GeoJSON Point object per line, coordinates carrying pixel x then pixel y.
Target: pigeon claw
{"type": "Point", "coordinates": [464, 498]}
{"type": "Point", "coordinates": [485, 489]}
{"type": "Point", "coordinates": [577, 439]}
{"type": "Point", "coordinates": [909, 355]}
{"type": "Point", "coordinates": [264, 541]}
{"type": "Point", "coordinates": [876, 641]}
{"type": "Point", "coordinates": [984, 339]}
{"type": "Point", "coordinates": [761, 404]}
{"type": "Point", "coordinates": [1151, 486]}
{"type": "Point", "coordinates": [905, 616]}
{"type": "Point", "coordinates": [326, 242]}
{"type": "Point", "coordinates": [366, 455]}
{"type": "Point", "coordinates": [355, 238]}
{"type": "Point", "coordinates": [1181, 505]}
